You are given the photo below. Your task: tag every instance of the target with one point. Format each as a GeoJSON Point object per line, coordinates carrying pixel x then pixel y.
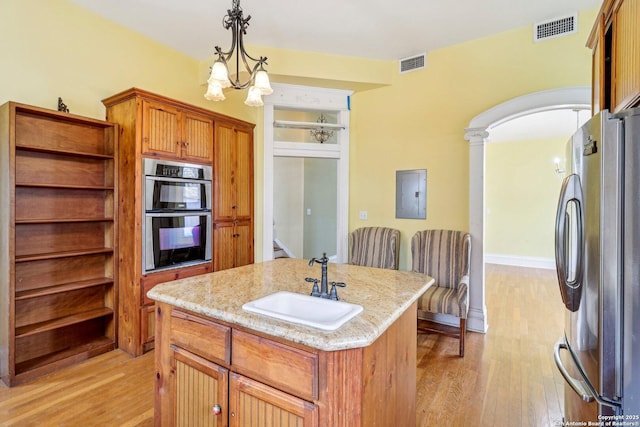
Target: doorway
{"type": "Point", "coordinates": [477, 133]}
{"type": "Point", "coordinates": [305, 206]}
{"type": "Point", "coordinates": [306, 172]}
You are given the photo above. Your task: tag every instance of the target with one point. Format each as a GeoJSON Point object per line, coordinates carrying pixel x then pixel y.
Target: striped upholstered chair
{"type": "Point", "coordinates": [445, 256]}
{"type": "Point", "coordinates": [375, 247]}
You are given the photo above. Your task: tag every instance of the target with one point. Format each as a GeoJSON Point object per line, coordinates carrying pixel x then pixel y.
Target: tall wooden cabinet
{"type": "Point", "coordinates": [233, 195]}
{"type": "Point", "coordinates": [153, 126]}
{"type": "Point", "coordinates": [615, 42]}
{"type": "Point", "coordinates": [58, 240]}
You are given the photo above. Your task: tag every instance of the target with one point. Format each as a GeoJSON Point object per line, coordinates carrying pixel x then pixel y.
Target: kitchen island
{"type": "Point", "coordinates": [218, 364]}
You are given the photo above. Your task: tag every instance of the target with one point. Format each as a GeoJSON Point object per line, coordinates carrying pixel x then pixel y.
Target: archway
{"type": "Point", "coordinates": [477, 134]}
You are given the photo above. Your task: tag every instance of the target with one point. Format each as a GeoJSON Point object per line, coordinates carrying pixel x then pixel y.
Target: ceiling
{"type": "Point", "coordinates": [379, 29]}
{"type": "Point", "coordinates": [561, 123]}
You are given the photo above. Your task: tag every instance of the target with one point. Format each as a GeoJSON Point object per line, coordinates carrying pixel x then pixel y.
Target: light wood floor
{"type": "Point", "coordinates": [507, 377]}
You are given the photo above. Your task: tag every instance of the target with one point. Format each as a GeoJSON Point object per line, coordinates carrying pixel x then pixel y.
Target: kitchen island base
{"type": "Point", "coordinates": [210, 372]}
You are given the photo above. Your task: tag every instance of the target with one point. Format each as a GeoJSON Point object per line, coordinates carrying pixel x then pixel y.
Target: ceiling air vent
{"type": "Point", "coordinates": [556, 27]}
{"type": "Point", "coordinates": [412, 63]}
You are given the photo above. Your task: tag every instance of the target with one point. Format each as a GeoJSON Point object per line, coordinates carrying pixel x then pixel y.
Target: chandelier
{"type": "Point", "coordinates": [258, 81]}
{"type": "Point", "coordinates": [321, 135]}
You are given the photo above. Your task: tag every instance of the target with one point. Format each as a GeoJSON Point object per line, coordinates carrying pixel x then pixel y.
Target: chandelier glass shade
{"type": "Point", "coordinates": [258, 80]}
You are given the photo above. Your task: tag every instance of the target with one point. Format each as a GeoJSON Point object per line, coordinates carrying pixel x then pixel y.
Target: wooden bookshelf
{"type": "Point", "coordinates": [58, 240]}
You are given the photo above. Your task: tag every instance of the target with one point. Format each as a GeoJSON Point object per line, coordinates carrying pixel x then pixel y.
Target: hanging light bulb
{"type": "Point", "coordinates": [214, 91]}
{"type": "Point", "coordinates": [262, 82]}
{"type": "Point", "coordinates": [254, 97]}
{"type": "Point", "coordinates": [220, 74]}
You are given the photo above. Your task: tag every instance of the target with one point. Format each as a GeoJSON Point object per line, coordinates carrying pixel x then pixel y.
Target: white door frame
{"type": "Point", "coordinates": [308, 99]}
{"type": "Point", "coordinates": [477, 134]}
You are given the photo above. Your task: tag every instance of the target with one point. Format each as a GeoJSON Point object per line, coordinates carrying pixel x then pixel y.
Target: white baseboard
{"type": "Point", "coordinates": [520, 261]}
{"type": "Point", "coordinates": [475, 320]}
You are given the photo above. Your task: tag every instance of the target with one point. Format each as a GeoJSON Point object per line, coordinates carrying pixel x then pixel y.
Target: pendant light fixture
{"type": "Point", "coordinates": [258, 81]}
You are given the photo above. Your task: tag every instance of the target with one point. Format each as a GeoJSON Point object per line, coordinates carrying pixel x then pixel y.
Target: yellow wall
{"type": "Point", "coordinates": [522, 190]}
{"type": "Point", "coordinates": [55, 48]}
{"type": "Point", "coordinates": [418, 122]}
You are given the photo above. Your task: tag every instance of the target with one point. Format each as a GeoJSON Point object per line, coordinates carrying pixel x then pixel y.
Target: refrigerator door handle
{"type": "Point", "coordinates": [571, 192]}
{"type": "Point", "coordinates": [582, 387]}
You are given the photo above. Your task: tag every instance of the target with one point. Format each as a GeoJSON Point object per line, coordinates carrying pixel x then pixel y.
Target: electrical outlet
{"type": "Point", "coordinates": [308, 211]}
{"type": "Point", "coordinates": [364, 215]}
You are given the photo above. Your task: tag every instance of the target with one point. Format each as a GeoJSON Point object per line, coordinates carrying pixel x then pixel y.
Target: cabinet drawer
{"type": "Point", "coordinates": [286, 368]}
{"type": "Point", "coordinates": [148, 281]}
{"type": "Point", "coordinates": [201, 336]}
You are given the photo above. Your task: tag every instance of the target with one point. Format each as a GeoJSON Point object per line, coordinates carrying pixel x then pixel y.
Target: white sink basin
{"type": "Point", "coordinates": [305, 310]}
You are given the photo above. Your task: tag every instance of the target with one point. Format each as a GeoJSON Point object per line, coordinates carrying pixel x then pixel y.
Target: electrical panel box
{"type": "Point", "coordinates": [411, 194]}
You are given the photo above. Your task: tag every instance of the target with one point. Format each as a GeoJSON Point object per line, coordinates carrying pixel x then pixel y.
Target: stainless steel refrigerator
{"type": "Point", "coordinates": [597, 242]}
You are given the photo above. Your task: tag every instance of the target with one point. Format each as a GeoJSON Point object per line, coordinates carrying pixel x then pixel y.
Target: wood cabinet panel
{"type": "Point", "coordinates": [243, 175]}
{"type": "Point", "coordinates": [232, 244]}
{"type": "Point", "coordinates": [243, 244]}
{"type": "Point", "coordinates": [615, 41]}
{"type": "Point", "coordinates": [233, 196]}
{"type": "Point", "coordinates": [223, 246]}
{"type": "Point", "coordinates": [597, 83]}
{"type": "Point", "coordinates": [200, 385]}
{"type": "Point", "coordinates": [148, 281]}
{"type": "Point", "coordinates": [278, 365]}
{"type": "Point", "coordinates": [197, 137]}
{"type": "Point", "coordinates": [160, 129]}
{"type": "Point", "coordinates": [176, 133]}
{"type": "Point", "coordinates": [201, 336]}
{"type": "Point", "coordinates": [224, 179]}
{"type": "Point", "coordinates": [252, 403]}
{"type": "Point", "coordinates": [626, 59]}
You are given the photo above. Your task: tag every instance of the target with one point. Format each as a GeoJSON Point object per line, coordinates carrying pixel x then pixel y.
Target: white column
{"type": "Point", "coordinates": [477, 317]}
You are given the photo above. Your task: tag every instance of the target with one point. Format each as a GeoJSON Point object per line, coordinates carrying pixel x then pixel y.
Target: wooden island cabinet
{"type": "Point", "coordinates": [154, 126]}
{"type": "Point", "coordinates": [218, 365]}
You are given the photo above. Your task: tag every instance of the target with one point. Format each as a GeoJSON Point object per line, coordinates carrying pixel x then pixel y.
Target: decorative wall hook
{"type": "Point", "coordinates": [62, 106]}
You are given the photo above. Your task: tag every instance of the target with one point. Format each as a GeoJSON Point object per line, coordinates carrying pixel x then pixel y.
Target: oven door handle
{"type": "Point", "coordinates": [180, 180]}
{"type": "Point", "coordinates": [206, 212]}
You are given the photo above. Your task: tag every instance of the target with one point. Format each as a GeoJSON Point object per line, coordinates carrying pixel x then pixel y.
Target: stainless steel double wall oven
{"type": "Point", "coordinates": [176, 223]}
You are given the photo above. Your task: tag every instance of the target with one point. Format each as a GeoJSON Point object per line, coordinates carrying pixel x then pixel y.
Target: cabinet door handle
{"type": "Point", "coordinates": [216, 410]}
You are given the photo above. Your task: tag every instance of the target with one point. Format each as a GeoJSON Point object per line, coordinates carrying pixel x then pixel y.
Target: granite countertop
{"type": "Point", "coordinates": [384, 295]}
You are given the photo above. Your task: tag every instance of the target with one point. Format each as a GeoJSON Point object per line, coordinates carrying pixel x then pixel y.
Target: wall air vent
{"type": "Point", "coordinates": [556, 27]}
{"type": "Point", "coordinates": [413, 63]}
